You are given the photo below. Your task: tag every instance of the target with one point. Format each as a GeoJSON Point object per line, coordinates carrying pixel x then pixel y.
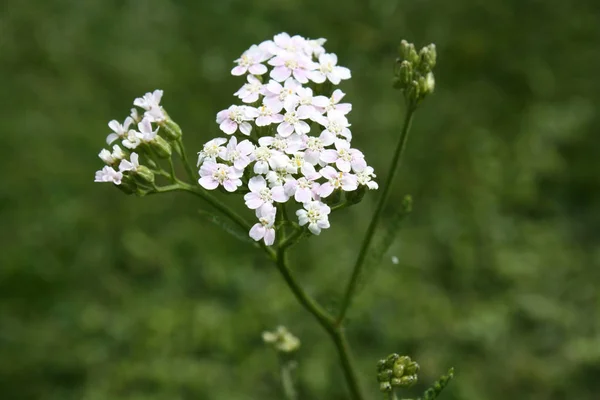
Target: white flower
{"type": "Point", "coordinates": [306, 99]}
{"type": "Point", "coordinates": [316, 145]}
{"type": "Point", "coordinates": [132, 139]}
{"type": "Point", "coordinates": [277, 96]}
{"type": "Point", "coordinates": [238, 153]}
{"type": "Point", "coordinates": [344, 157]}
{"type": "Point", "coordinates": [315, 47]}
{"type": "Point", "coordinates": [289, 145]}
{"type": "Point", "coordinates": [268, 115]}
{"type": "Point", "coordinates": [145, 129]}
{"type": "Point", "coordinates": [135, 115]}
{"type": "Point", "coordinates": [108, 174]}
{"type": "Point", "coordinates": [395, 260]}
{"type": "Point", "coordinates": [211, 150]}
{"type": "Point", "coordinates": [328, 69]}
{"type": "Point", "coordinates": [267, 158]}
{"type": "Point", "coordinates": [293, 121]}
{"type": "Point", "coordinates": [279, 176]}
{"type": "Point", "coordinates": [260, 194]}
{"type": "Point", "coordinates": [336, 123]}
{"type": "Point", "coordinates": [119, 131]}
{"type": "Point", "coordinates": [250, 61]}
{"type": "Point", "coordinates": [264, 228]}
{"type": "Point", "coordinates": [304, 189]}
{"type": "Point", "coordinates": [236, 117]}
{"type": "Point", "coordinates": [316, 215]}
{"type": "Point", "coordinates": [111, 158]}
{"type": "Point", "coordinates": [365, 176]}
{"type": "Point", "coordinates": [250, 91]}
{"type": "Point", "coordinates": [336, 180]}
{"type": "Point", "coordinates": [213, 174]}
{"type": "Point", "coordinates": [132, 165]}
{"type": "Point", "coordinates": [106, 156]}
{"type": "Point", "coordinates": [149, 100]}
{"type": "Point", "coordinates": [332, 103]}
{"type": "Point", "coordinates": [288, 64]}
{"type": "Point", "coordinates": [286, 44]}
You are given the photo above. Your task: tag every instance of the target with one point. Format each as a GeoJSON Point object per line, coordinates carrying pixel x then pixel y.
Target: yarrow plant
{"type": "Point", "coordinates": [285, 150]}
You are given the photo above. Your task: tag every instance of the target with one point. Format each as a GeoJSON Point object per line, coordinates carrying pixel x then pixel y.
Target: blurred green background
{"type": "Point", "coordinates": [107, 296]}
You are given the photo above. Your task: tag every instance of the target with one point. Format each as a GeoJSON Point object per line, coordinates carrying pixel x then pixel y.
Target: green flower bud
{"type": "Point", "coordinates": [412, 368]}
{"type": "Point", "coordinates": [381, 365]}
{"type": "Point", "coordinates": [385, 387]}
{"type": "Point", "coordinates": [398, 370]}
{"type": "Point", "coordinates": [356, 196]}
{"type": "Point", "coordinates": [426, 85]}
{"type": "Point", "coordinates": [405, 73]}
{"type": "Point", "coordinates": [427, 58]}
{"type": "Point", "coordinates": [127, 185]}
{"type": "Point", "coordinates": [408, 52]}
{"type": "Point", "coordinates": [413, 92]}
{"type": "Point", "coordinates": [171, 130]}
{"type": "Point", "coordinates": [161, 147]}
{"type": "Point", "coordinates": [143, 175]}
{"type": "Point", "coordinates": [385, 375]}
{"type": "Point", "coordinates": [407, 381]}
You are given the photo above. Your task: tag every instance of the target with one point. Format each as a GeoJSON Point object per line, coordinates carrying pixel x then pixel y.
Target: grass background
{"type": "Point", "coordinates": [104, 296]}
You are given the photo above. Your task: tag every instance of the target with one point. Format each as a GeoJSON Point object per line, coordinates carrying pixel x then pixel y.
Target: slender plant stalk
{"type": "Point", "coordinates": [364, 249]}
{"type": "Point", "coordinates": [326, 321]}
{"type": "Point", "coordinates": [287, 380]}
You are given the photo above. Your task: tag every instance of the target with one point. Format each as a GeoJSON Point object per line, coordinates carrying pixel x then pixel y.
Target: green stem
{"type": "Point", "coordinates": [326, 321]}
{"type": "Point", "coordinates": [186, 162]}
{"type": "Point", "coordinates": [287, 380]}
{"type": "Point", "coordinates": [356, 272]}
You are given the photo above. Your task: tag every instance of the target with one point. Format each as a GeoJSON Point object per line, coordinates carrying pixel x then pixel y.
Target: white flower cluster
{"type": "Point", "coordinates": [280, 159]}
{"type": "Point", "coordinates": [130, 139]}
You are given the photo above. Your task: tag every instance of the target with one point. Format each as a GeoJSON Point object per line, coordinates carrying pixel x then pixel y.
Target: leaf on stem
{"type": "Point", "coordinates": [227, 226]}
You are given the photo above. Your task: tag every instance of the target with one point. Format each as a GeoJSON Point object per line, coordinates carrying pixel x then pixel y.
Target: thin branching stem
{"type": "Point", "coordinates": [364, 249]}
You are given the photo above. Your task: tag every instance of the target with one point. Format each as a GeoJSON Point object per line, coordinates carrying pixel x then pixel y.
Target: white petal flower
{"type": "Point", "coordinates": [106, 156]}
{"type": "Point", "coordinates": [293, 121]}
{"type": "Point", "coordinates": [108, 174]}
{"type": "Point", "coordinates": [250, 61]}
{"type": "Point", "coordinates": [337, 180]}
{"type": "Point", "coordinates": [235, 117]}
{"type": "Point", "coordinates": [326, 104]}
{"type": "Point", "coordinates": [132, 139]}
{"type": "Point", "coordinates": [277, 96]}
{"type": "Point", "coordinates": [304, 189]}
{"type": "Point", "coordinates": [264, 228]}
{"type": "Point", "coordinates": [266, 158]}
{"type": "Point", "coordinates": [149, 100]}
{"type": "Point", "coordinates": [268, 115]}
{"type": "Point", "coordinates": [211, 150]}
{"type": "Point", "coordinates": [365, 177]}
{"type": "Point", "coordinates": [239, 154]}
{"type": "Point", "coordinates": [289, 145]}
{"type": "Point", "coordinates": [132, 165]}
{"type": "Point", "coordinates": [291, 64]}
{"type": "Point", "coordinates": [250, 92]}
{"type": "Point", "coordinates": [328, 69]}
{"type": "Point", "coordinates": [118, 131]}
{"type": "Point", "coordinates": [145, 129]}
{"type": "Point", "coordinates": [213, 174]}
{"type": "Point", "coordinates": [316, 145]}
{"type": "Point", "coordinates": [316, 215]}
{"type": "Point", "coordinates": [260, 194]}
{"type": "Point", "coordinates": [344, 157]}
{"type": "Point", "coordinates": [335, 123]}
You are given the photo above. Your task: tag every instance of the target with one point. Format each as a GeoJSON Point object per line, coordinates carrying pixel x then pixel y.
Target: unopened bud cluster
{"type": "Point", "coordinates": [137, 145]}
{"type": "Point", "coordinates": [413, 72]}
{"type": "Point", "coordinates": [396, 371]}
{"type": "Point", "coordinates": [282, 340]}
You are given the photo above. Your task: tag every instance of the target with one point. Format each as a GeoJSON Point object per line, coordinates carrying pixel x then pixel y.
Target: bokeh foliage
{"type": "Point", "coordinates": [111, 297]}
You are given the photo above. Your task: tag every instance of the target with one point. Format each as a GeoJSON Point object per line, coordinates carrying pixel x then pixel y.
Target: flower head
{"type": "Point", "coordinates": [213, 174]}
{"type": "Point", "coordinates": [316, 215]}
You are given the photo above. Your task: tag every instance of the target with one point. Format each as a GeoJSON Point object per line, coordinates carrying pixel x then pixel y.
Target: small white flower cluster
{"type": "Point", "coordinates": [130, 139]}
{"type": "Point", "coordinates": [279, 158]}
